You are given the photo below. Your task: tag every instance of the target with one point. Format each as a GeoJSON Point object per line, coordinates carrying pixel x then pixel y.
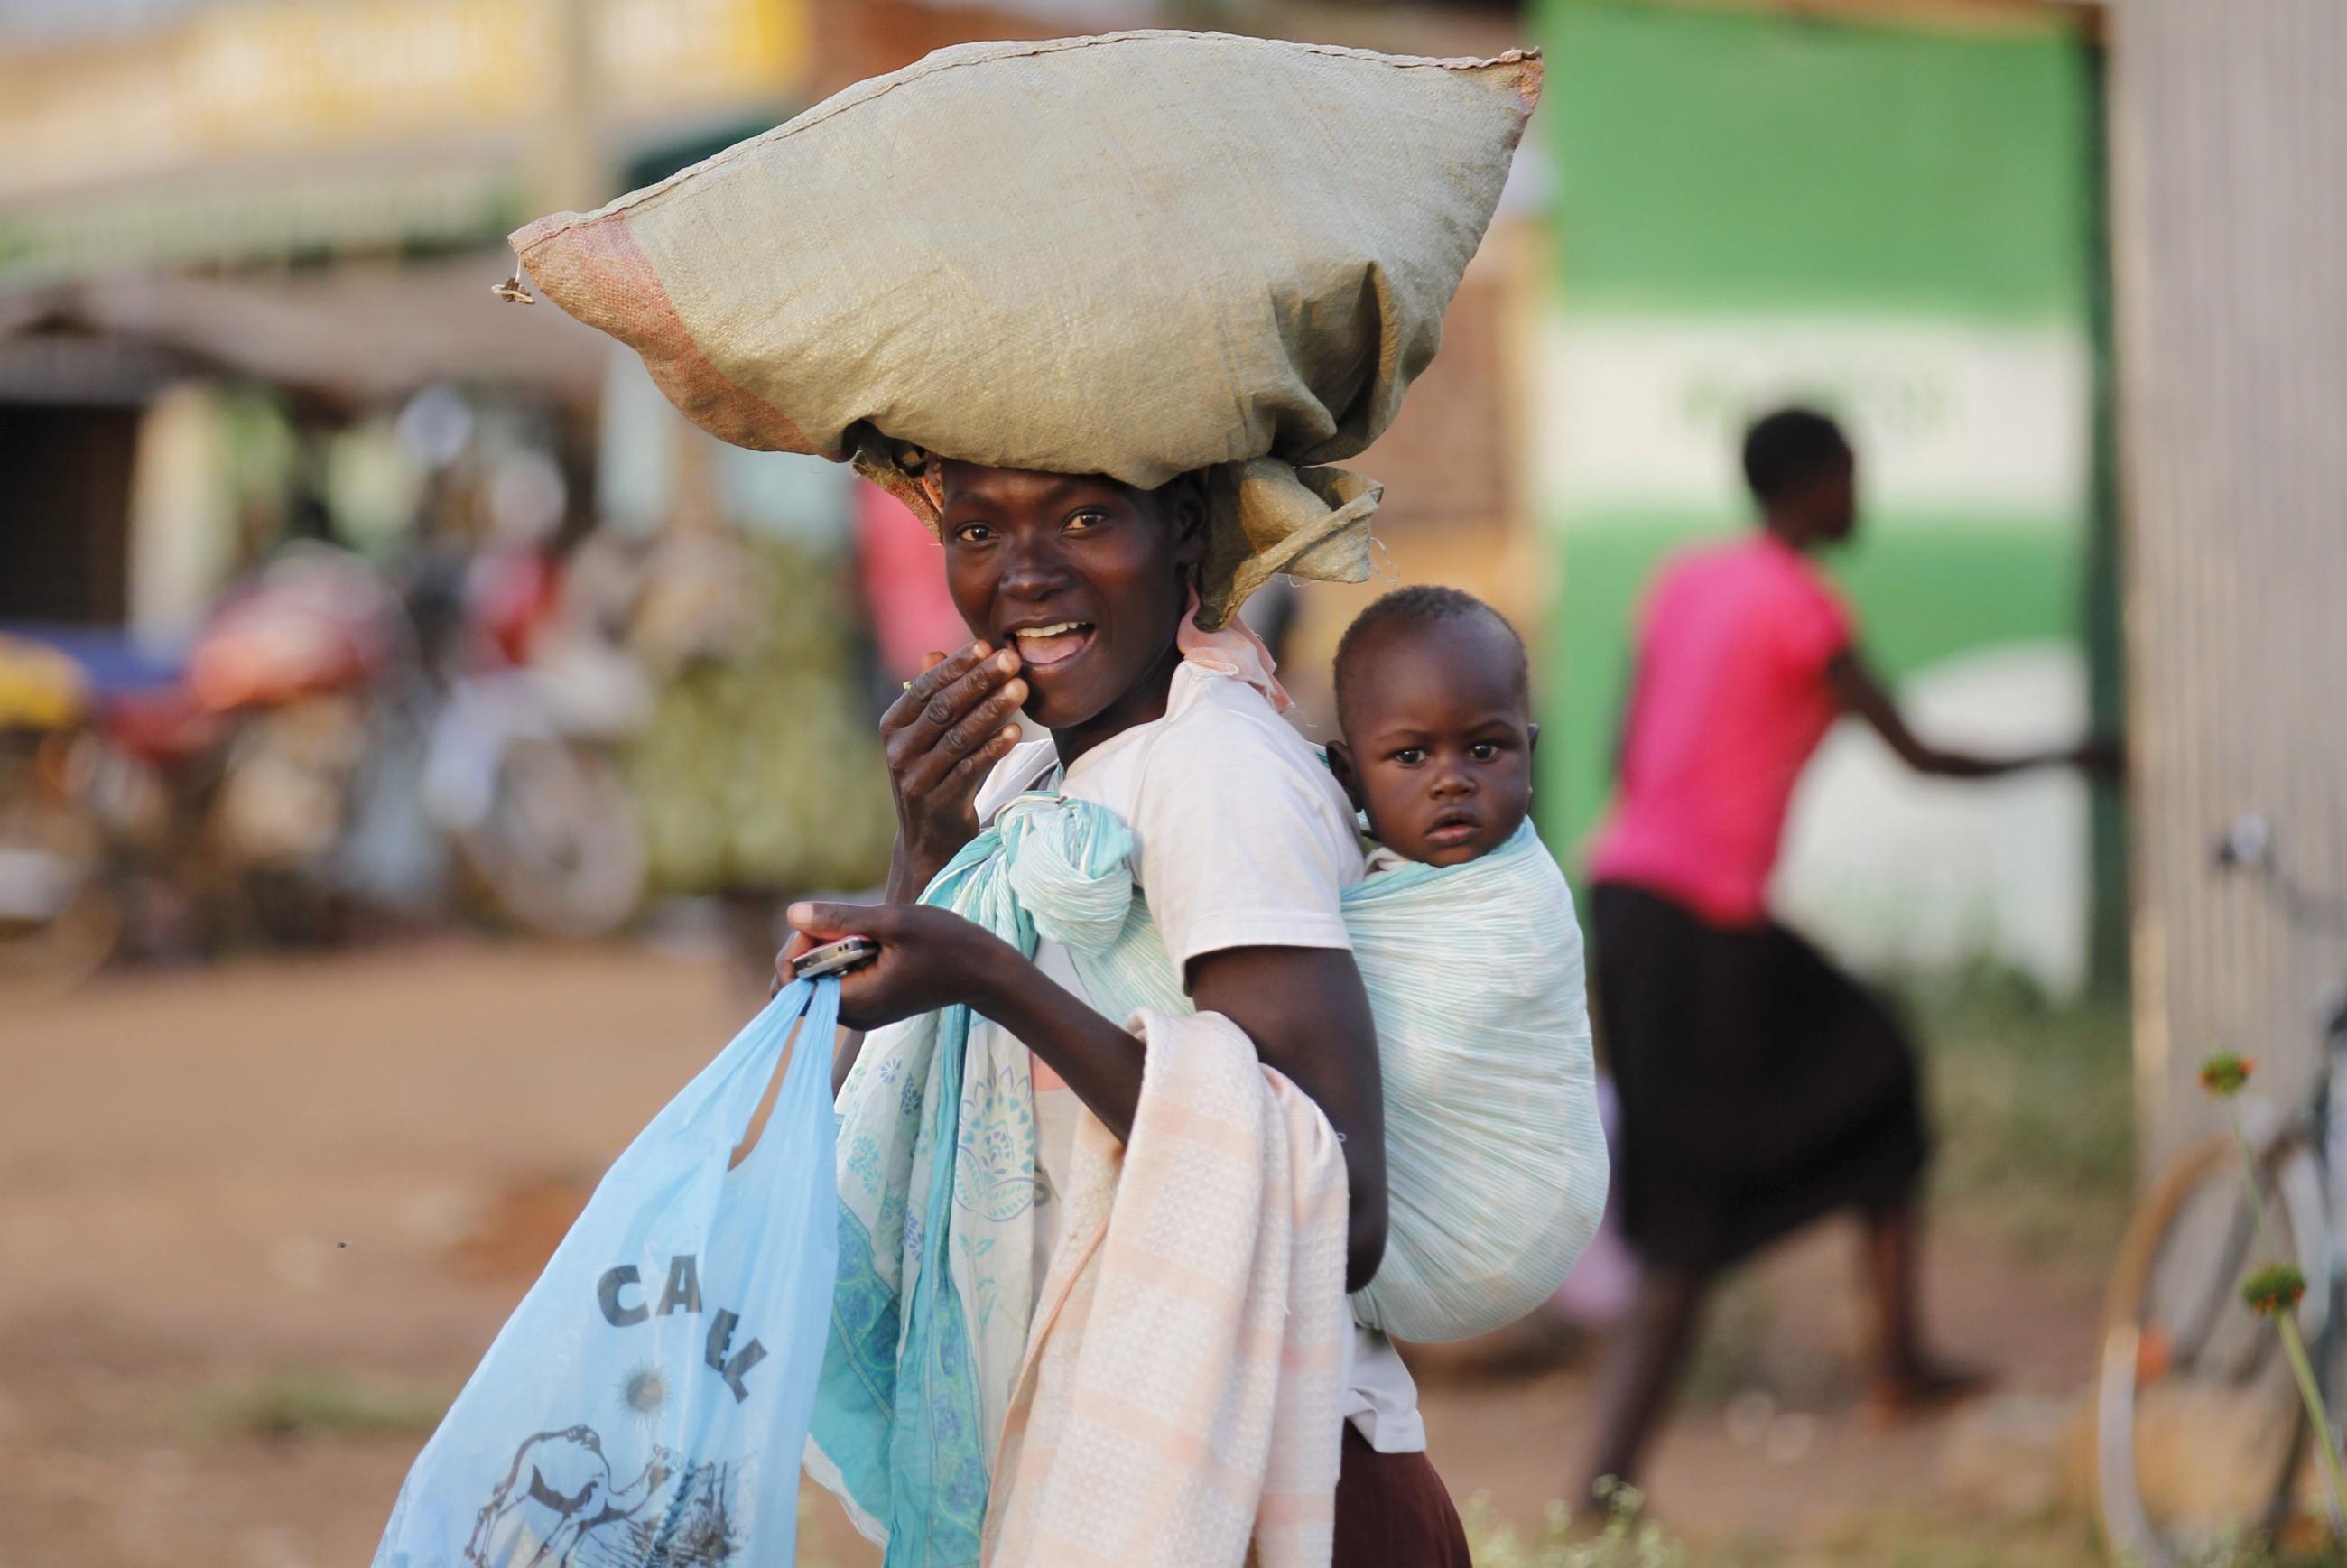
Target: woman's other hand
{"type": "Point", "coordinates": [929, 958]}
{"type": "Point", "coordinates": [956, 720]}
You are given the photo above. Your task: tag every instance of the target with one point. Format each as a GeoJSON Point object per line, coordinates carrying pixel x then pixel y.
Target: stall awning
{"type": "Point", "coordinates": [355, 334]}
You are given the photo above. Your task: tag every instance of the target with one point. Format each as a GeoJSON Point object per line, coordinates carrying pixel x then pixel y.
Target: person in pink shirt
{"type": "Point", "coordinates": [1760, 1087]}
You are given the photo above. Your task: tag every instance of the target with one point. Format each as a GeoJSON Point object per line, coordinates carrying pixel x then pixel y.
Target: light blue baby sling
{"type": "Point", "coordinates": [1496, 1161]}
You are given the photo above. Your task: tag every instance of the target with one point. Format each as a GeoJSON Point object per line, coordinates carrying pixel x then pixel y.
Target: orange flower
{"type": "Point", "coordinates": [2223, 1074]}
{"type": "Point", "coordinates": [2274, 1289]}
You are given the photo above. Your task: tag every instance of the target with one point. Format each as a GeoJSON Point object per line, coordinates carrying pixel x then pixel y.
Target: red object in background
{"type": "Point", "coordinates": [311, 622]}
{"type": "Point", "coordinates": [514, 594]}
{"type": "Point", "coordinates": [904, 573]}
{"type": "Point", "coordinates": [165, 724]}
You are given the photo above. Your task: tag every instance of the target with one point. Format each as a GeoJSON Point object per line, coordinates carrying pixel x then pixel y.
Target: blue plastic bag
{"type": "Point", "coordinates": [647, 1404]}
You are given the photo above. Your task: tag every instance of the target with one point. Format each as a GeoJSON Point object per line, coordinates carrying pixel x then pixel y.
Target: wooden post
{"type": "Point", "coordinates": [2228, 133]}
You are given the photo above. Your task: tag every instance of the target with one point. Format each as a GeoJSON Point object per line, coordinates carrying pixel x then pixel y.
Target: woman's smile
{"type": "Point", "coordinates": [1084, 578]}
{"type": "Point", "coordinates": [1052, 643]}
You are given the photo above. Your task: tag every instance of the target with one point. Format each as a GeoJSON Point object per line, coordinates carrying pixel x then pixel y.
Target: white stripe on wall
{"type": "Point", "coordinates": [1947, 416]}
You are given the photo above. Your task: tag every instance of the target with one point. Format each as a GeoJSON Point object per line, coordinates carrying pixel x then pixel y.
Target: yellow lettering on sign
{"type": "Point", "coordinates": [268, 79]}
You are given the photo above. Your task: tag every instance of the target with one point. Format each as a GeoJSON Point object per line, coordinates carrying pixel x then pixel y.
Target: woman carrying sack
{"type": "Point", "coordinates": [1096, 310]}
{"type": "Point", "coordinates": [1245, 843]}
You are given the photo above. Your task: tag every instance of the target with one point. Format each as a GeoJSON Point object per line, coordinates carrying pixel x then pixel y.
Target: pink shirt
{"type": "Point", "coordinates": [904, 584]}
{"type": "Point", "coordinates": [1729, 701]}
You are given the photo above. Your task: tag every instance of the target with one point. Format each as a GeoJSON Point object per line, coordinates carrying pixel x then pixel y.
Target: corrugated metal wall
{"type": "Point", "coordinates": [2229, 145]}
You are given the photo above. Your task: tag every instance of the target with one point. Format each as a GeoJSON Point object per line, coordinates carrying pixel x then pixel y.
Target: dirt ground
{"type": "Point", "coordinates": [257, 1222]}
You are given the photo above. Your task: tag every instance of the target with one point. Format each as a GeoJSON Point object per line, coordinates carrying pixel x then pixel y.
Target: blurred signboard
{"type": "Point", "coordinates": [268, 121]}
{"type": "Point", "coordinates": [240, 215]}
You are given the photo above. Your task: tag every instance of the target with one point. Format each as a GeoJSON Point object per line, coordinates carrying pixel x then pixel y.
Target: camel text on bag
{"type": "Point", "coordinates": [681, 1293]}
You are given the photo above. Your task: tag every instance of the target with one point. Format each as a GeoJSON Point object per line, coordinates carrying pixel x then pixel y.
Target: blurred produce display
{"type": "Point", "coordinates": [761, 767]}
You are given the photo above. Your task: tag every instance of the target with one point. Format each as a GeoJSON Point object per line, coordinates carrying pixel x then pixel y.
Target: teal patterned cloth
{"type": "Point", "coordinates": [937, 1195]}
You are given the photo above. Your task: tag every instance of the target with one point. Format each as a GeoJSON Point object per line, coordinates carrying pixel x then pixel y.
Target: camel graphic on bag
{"type": "Point", "coordinates": [557, 1508]}
{"type": "Point", "coordinates": [623, 1417]}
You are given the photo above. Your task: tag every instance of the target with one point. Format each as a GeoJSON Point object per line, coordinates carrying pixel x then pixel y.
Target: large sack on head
{"type": "Point", "coordinates": [1136, 254]}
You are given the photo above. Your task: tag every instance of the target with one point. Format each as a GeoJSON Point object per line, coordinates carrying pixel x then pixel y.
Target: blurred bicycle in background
{"type": "Point", "coordinates": [59, 920]}
{"type": "Point", "coordinates": [328, 743]}
{"type": "Point", "coordinates": [2200, 1434]}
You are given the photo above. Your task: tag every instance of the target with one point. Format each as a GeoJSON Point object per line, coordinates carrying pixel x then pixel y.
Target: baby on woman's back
{"type": "Point", "coordinates": [1466, 939]}
{"type": "Point", "coordinates": [1434, 704]}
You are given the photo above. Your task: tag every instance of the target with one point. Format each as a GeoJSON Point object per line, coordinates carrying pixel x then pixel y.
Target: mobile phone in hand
{"type": "Point", "coordinates": [833, 957]}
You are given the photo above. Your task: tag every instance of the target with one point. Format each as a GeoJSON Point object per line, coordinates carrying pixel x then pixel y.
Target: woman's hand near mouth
{"type": "Point", "coordinates": [956, 720]}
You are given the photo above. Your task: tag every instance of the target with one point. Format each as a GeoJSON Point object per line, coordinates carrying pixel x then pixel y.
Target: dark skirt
{"type": "Point", "coordinates": [1760, 1087]}
{"type": "Point", "coordinates": [1392, 1512]}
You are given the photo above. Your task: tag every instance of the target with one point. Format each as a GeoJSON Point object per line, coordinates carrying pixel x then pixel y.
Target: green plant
{"type": "Point", "coordinates": [2031, 1110]}
{"type": "Point", "coordinates": [1621, 1537]}
{"type": "Point", "coordinates": [302, 1403]}
{"type": "Point", "coordinates": [2248, 1551]}
{"type": "Point", "coordinates": [2272, 1290]}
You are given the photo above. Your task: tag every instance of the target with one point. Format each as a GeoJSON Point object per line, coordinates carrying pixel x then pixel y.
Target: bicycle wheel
{"type": "Point", "coordinates": [2199, 1434]}
{"type": "Point", "coordinates": [559, 851]}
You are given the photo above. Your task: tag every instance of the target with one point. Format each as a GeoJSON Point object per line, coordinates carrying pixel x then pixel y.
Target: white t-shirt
{"type": "Point", "coordinates": [1242, 839]}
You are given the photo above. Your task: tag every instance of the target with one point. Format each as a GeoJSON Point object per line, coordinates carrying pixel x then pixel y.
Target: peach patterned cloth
{"type": "Point", "coordinates": [1232, 649]}
{"type": "Point", "coordinates": [1182, 1393]}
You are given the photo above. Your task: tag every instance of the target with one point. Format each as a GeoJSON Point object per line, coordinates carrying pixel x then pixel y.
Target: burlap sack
{"type": "Point", "coordinates": [1136, 254]}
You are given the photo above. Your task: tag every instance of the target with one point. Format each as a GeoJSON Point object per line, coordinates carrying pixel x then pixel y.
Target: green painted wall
{"type": "Point", "coordinates": [1735, 159]}
{"type": "Point", "coordinates": [1735, 187]}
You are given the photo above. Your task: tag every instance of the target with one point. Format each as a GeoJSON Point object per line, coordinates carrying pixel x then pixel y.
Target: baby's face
{"type": "Point", "coordinates": [1438, 746]}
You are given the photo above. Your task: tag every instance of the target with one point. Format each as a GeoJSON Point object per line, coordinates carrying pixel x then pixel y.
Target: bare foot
{"type": "Point", "coordinates": [1922, 1389]}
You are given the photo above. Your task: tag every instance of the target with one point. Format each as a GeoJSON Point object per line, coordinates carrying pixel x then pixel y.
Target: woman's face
{"type": "Point", "coordinates": [1086, 579]}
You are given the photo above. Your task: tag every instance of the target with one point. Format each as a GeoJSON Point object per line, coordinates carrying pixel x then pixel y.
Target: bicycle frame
{"type": "Point", "coordinates": [2328, 1129]}
{"type": "Point", "coordinates": [2297, 1153]}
